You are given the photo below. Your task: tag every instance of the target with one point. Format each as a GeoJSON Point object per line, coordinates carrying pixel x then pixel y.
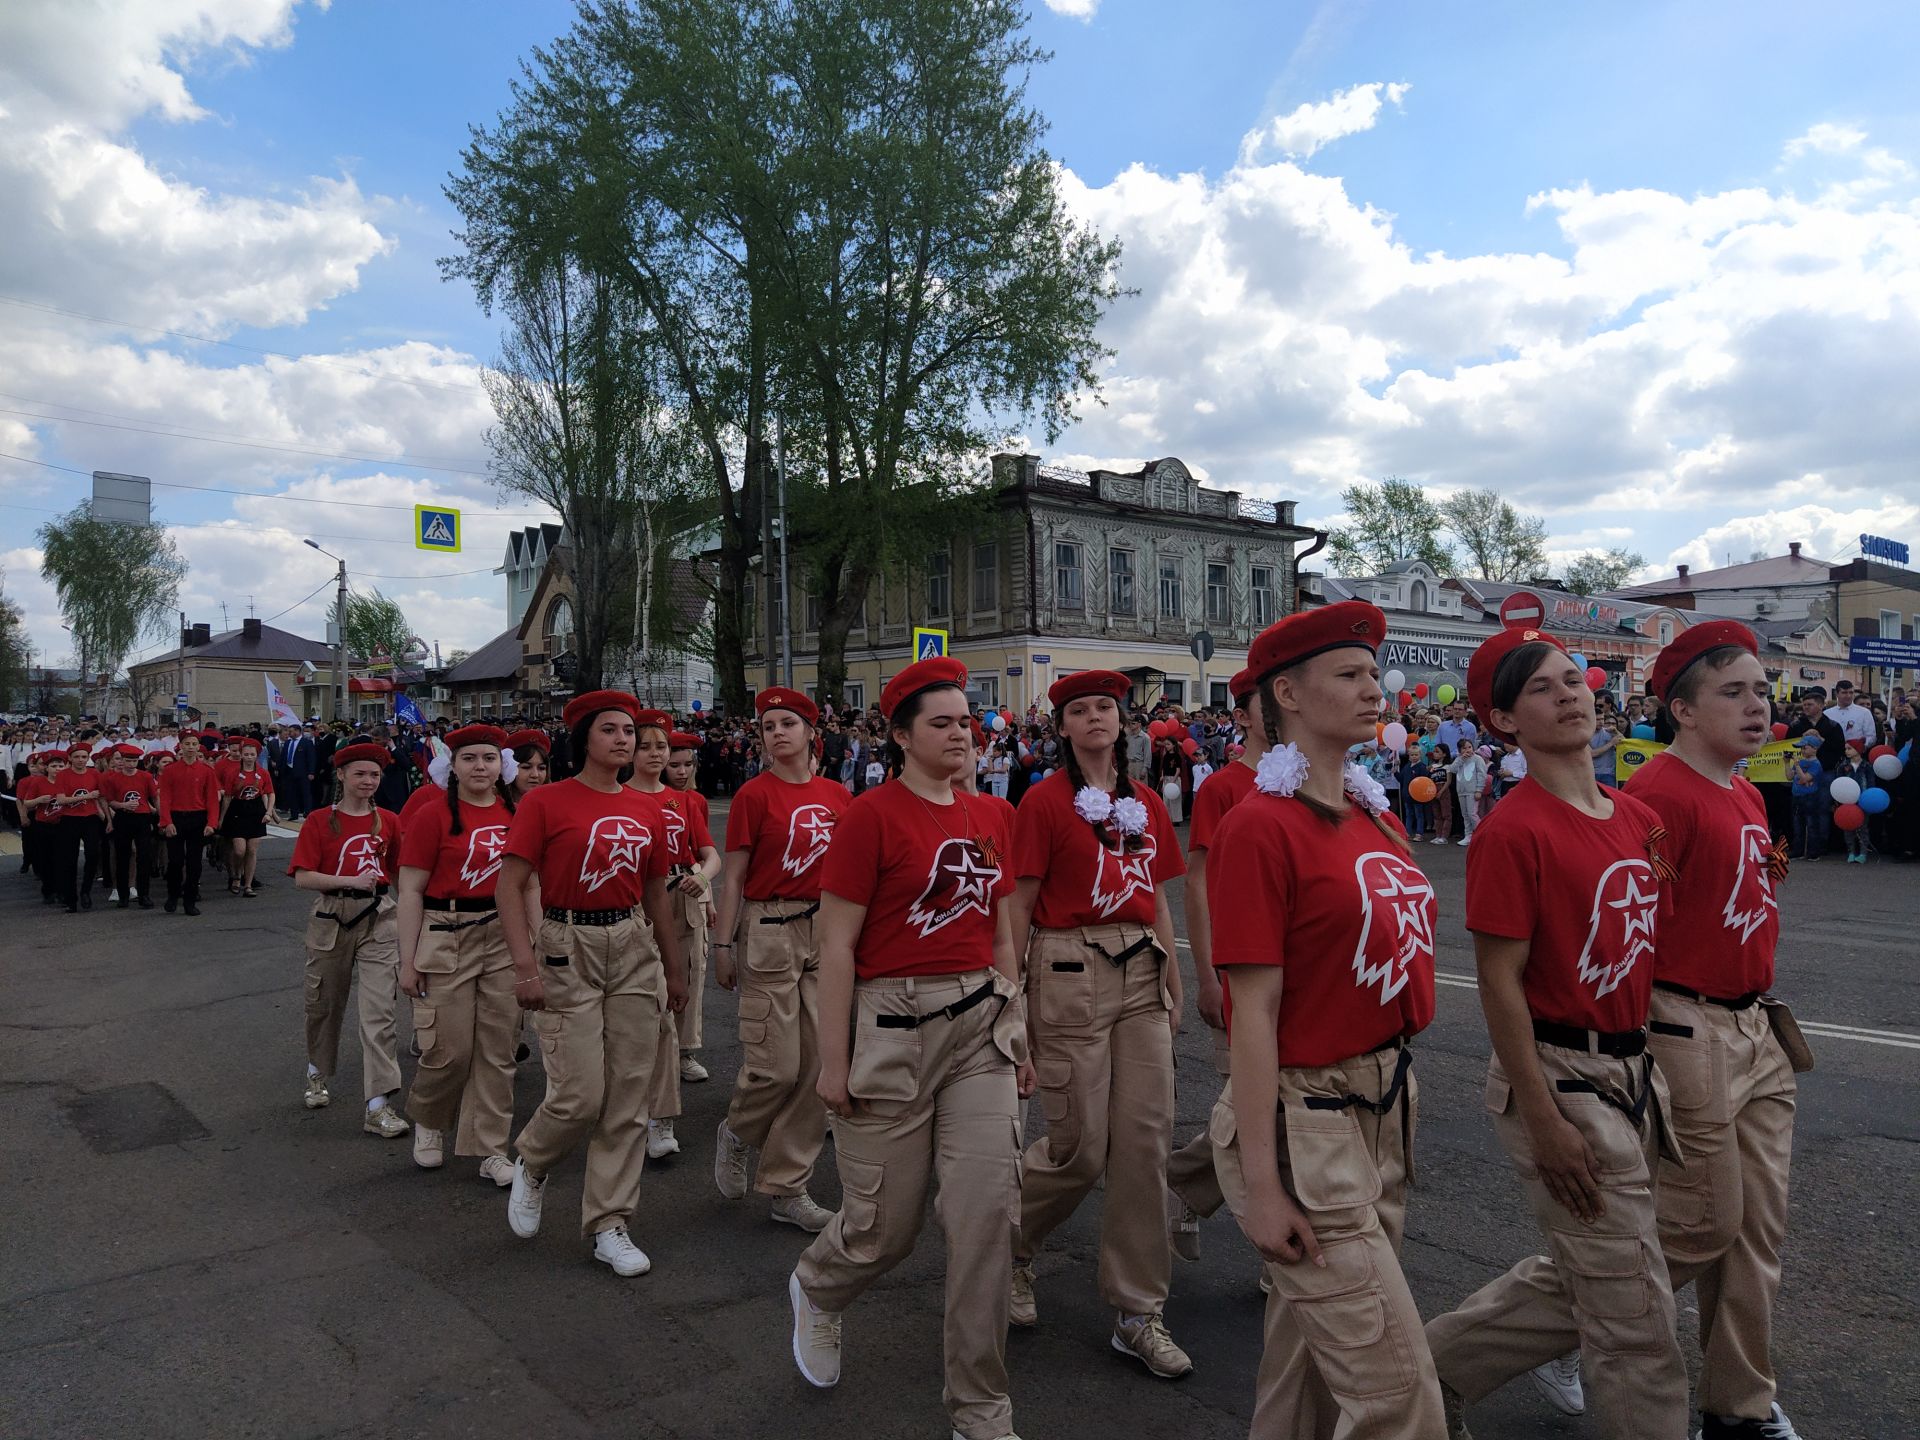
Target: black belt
{"type": "Point", "coordinates": [806, 914]}
{"type": "Point", "coordinates": [1635, 1111]}
{"type": "Point", "coordinates": [1379, 1107]}
{"type": "Point", "coordinates": [1125, 955]}
{"type": "Point", "coordinates": [458, 904]}
{"type": "Point", "coordinates": [1741, 1002]}
{"type": "Point", "coordinates": [587, 917]}
{"type": "Point", "coordinates": [945, 1012]}
{"type": "Point", "coordinates": [377, 892]}
{"type": "Point", "coordinates": [371, 906]}
{"type": "Point", "coordinates": [1618, 1044]}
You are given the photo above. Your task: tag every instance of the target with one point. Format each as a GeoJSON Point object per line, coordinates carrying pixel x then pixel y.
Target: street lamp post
{"type": "Point", "coordinates": [339, 637]}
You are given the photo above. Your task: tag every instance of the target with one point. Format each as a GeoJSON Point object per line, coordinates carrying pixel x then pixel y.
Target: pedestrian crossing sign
{"type": "Point", "coordinates": [928, 643]}
{"type": "Point", "coordinates": [436, 528]}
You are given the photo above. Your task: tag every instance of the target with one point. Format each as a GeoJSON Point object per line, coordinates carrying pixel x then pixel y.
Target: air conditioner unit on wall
{"type": "Point", "coordinates": [1765, 607]}
{"type": "Point", "coordinates": [442, 694]}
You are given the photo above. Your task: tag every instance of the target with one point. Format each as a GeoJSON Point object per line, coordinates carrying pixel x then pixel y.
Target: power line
{"type": "Point", "coordinates": [301, 601]}
{"type": "Point", "coordinates": [447, 575]}
{"type": "Point", "coordinates": [236, 524]}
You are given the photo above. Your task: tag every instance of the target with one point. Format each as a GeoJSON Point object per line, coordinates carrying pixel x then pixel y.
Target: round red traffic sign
{"type": "Point", "coordinates": [1522, 609]}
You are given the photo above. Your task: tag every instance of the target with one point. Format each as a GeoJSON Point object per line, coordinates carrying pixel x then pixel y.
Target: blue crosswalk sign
{"type": "Point", "coordinates": [436, 527]}
{"type": "Point", "coordinates": [928, 643]}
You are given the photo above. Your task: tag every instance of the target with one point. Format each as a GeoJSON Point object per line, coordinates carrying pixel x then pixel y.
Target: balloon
{"type": "Point", "coordinates": [1844, 791]}
{"type": "Point", "coordinates": [1189, 748]}
{"type": "Point", "coordinates": [1888, 767]}
{"type": "Point", "coordinates": [1579, 660]}
{"type": "Point", "coordinates": [1849, 817]}
{"type": "Point", "coordinates": [1034, 778]}
{"type": "Point", "coordinates": [1596, 678]}
{"type": "Point", "coordinates": [1446, 694]}
{"type": "Point", "coordinates": [999, 723]}
{"type": "Point", "coordinates": [1779, 731]}
{"type": "Point", "coordinates": [1394, 680]}
{"type": "Point", "coordinates": [1642, 732]}
{"type": "Point", "coordinates": [1420, 690]}
{"type": "Point", "coordinates": [1486, 752]}
{"type": "Point", "coordinates": [1406, 698]}
{"type": "Point", "coordinates": [1873, 801]}
{"type": "Point", "coordinates": [1877, 751]}
{"type": "Point", "coordinates": [1395, 736]}
{"type": "Point", "coordinates": [1422, 789]}
{"type": "Point", "coordinates": [1379, 733]}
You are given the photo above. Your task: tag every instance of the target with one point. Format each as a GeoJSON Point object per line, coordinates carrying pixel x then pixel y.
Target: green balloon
{"type": "Point", "coordinates": [1447, 694]}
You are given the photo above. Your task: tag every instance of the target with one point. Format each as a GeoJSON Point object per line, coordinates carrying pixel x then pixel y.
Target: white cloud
{"type": "Point", "coordinates": [1824, 533]}
{"type": "Point", "coordinates": [1313, 126]}
{"type": "Point", "coordinates": [1074, 9]}
{"type": "Point", "coordinates": [1826, 138]}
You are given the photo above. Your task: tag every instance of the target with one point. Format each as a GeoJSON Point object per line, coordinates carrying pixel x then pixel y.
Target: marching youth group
{"type": "Point", "coordinates": [916, 963]}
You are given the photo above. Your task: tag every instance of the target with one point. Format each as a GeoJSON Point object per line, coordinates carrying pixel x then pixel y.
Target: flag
{"type": "Point", "coordinates": [277, 707]}
{"type": "Point", "coordinates": [404, 709]}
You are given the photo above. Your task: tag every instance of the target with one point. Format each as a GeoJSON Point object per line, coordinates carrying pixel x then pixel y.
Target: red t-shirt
{"type": "Point", "coordinates": [1719, 919]}
{"type": "Point", "coordinates": [459, 867]}
{"type": "Point", "coordinates": [254, 784]}
{"type": "Point", "coordinates": [1223, 790]}
{"type": "Point", "coordinates": [786, 829]}
{"type": "Point", "coordinates": [1341, 908]}
{"type": "Point", "coordinates": [188, 788]}
{"type": "Point", "coordinates": [930, 877]}
{"type": "Point", "coordinates": [71, 783]}
{"type": "Point", "coordinates": [1582, 891]}
{"type": "Point", "coordinates": [1086, 877]}
{"type": "Point", "coordinates": [593, 850]}
{"type": "Point", "coordinates": [32, 787]}
{"type": "Point", "coordinates": [140, 786]}
{"type": "Point", "coordinates": [686, 825]}
{"type": "Point", "coordinates": [426, 795]}
{"type": "Point", "coordinates": [356, 850]}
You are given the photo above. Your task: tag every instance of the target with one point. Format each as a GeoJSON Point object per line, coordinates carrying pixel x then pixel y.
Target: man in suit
{"type": "Point", "coordinates": [301, 763]}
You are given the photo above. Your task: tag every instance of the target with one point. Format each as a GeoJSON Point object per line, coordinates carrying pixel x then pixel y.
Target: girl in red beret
{"type": "Point", "coordinates": [454, 961]}
{"type": "Point", "coordinates": [346, 854]}
{"type": "Point", "coordinates": [1563, 894]}
{"type": "Point", "coordinates": [923, 1050]}
{"type": "Point", "coordinates": [1093, 853]}
{"type": "Point", "coordinates": [35, 797]}
{"type": "Point", "coordinates": [246, 809]}
{"type": "Point", "coordinates": [1323, 938]}
{"type": "Point", "coordinates": [778, 829]}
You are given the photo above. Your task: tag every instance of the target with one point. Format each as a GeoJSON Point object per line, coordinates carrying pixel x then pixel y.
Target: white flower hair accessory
{"type": "Point", "coordinates": [1093, 804]}
{"type": "Point", "coordinates": [1281, 771]}
{"type": "Point", "coordinates": [1130, 815]}
{"type": "Point", "coordinates": [439, 768]}
{"type": "Point", "coordinates": [1365, 791]}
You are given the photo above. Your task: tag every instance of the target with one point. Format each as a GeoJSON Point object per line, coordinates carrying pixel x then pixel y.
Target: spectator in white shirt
{"type": "Point", "coordinates": [1854, 719]}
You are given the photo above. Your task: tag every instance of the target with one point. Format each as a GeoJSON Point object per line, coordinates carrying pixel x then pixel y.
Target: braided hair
{"type": "Point", "coordinates": [1122, 779]}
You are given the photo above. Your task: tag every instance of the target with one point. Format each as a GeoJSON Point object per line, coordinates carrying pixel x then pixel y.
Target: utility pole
{"type": "Point", "coordinates": [340, 635]}
{"type": "Point", "coordinates": [786, 592]}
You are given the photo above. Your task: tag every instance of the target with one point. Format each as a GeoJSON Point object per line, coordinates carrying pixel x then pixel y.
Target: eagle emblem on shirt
{"type": "Point", "coordinates": [1396, 922]}
{"type": "Point", "coordinates": [616, 845]}
{"type": "Point", "coordinates": [486, 847]}
{"type": "Point", "coordinates": [359, 855]}
{"type": "Point", "coordinates": [809, 832]}
{"type": "Point", "coordinates": [1620, 932]}
{"type": "Point", "coordinates": [1119, 875]}
{"type": "Point", "coordinates": [959, 881]}
{"type": "Point", "coordinates": [1751, 900]}
{"type": "Point", "coordinates": [676, 824]}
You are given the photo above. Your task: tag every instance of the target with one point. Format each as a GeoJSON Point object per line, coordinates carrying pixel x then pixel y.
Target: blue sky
{"type": "Point", "coordinates": [1687, 343]}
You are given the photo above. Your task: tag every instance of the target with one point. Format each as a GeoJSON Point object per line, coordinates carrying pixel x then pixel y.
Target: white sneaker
{"type": "Point", "coordinates": [816, 1339]}
{"type": "Point", "coordinates": [692, 1072]}
{"type": "Point", "coordinates": [1438, 840]}
{"type": "Point", "coordinates": [1775, 1427]}
{"type": "Point", "coordinates": [429, 1147]}
{"type": "Point", "coordinates": [1463, 841]}
{"type": "Point", "coordinates": [523, 1204]}
{"type": "Point", "coordinates": [802, 1212]}
{"type": "Point", "coordinates": [1559, 1381]}
{"type": "Point", "coordinates": [616, 1248]}
{"type": "Point", "coordinates": [498, 1169]}
{"type": "Point", "coordinates": [660, 1140]}
{"type": "Point", "coordinates": [729, 1163]}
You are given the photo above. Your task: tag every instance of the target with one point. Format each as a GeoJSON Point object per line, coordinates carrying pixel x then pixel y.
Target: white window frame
{"type": "Point", "coordinates": [1168, 612]}
{"type": "Point", "coordinates": [1079, 570]}
{"type": "Point", "coordinates": [1260, 597]}
{"type": "Point", "coordinates": [1115, 573]}
{"type": "Point", "coordinates": [990, 550]}
{"type": "Point", "coordinates": [940, 575]}
{"type": "Point", "coordinates": [1174, 691]}
{"type": "Point", "coordinates": [1221, 614]}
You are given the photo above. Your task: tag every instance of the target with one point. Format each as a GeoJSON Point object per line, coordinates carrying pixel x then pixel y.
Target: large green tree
{"type": "Point", "coordinates": [13, 654]}
{"type": "Point", "coordinates": [1598, 571]}
{"type": "Point", "coordinates": [117, 584]}
{"type": "Point", "coordinates": [1496, 541]}
{"type": "Point", "coordinates": [1385, 523]}
{"type": "Point", "coordinates": [376, 625]}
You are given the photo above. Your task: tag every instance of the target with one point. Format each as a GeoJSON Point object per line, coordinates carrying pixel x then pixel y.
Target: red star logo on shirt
{"type": "Point", "coordinates": [1625, 904]}
{"type": "Point", "coordinates": [1120, 875]}
{"type": "Point", "coordinates": [615, 846]}
{"type": "Point", "coordinates": [359, 855]}
{"type": "Point", "coordinates": [1396, 926]}
{"type": "Point", "coordinates": [1751, 899]}
{"type": "Point", "coordinates": [485, 848]}
{"type": "Point", "coordinates": [959, 881]}
{"type": "Point", "coordinates": [809, 832]}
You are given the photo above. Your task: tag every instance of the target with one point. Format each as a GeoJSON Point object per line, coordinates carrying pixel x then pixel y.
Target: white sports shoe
{"type": "Point", "coordinates": [801, 1211]}
{"type": "Point", "coordinates": [660, 1140]}
{"type": "Point", "coordinates": [1559, 1381]}
{"type": "Point", "coordinates": [523, 1204]}
{"type": "Point", "coordinates": [692, 1071]}
{"type": "Point", "coordinates": [498, 1169]}
{"type": "Point", "coordinates": [429, 1147]}
{"type": "Point", "coordinates": [616, 1248]}
{"type": "Point", "coordinates": [729, 1163]}
{"type": "Point", "coordinates": [816, 1339]}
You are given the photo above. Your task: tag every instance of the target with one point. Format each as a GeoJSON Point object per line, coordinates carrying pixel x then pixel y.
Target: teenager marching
{"type": "Point", "coordinates": [133, 798]}
{"type": "Point", "coordinates": [1322, 932]}
{"type": "Point", "coordinates": [778, 828]}
{"type": "Point", "coordinates": [530, 749]}
{"type": "Point", "coordinates": [1727, 1048]}
{"type": "Point", "coordinates": [347, 853]}
{"type": "Point", "coordinates": [1563, 892]}
{"type": "Point", "coordinates": [922, 1051]}
{"type": "Point", "coordinates": [604, 969]}
{"type": "Point", "coordinates": [454, 962]}
{"type": "Point", "coordinates": [1093, 853]}
{"type": "Point", "coordinates": [83, 828]}
{"type": "Point", "coordinates": [37, 831]}
{"type": "Point", "coordinates": [246, 807]}
{"type": "Point", "coordinates": [189, 803]}
{"type": "Point", "coordinates": [696, 898]}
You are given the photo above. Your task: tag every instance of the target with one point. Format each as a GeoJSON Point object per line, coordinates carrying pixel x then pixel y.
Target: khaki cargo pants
{"type": "Point", "coordinates": [335, 952]}
{"type": "Point", "coordinates": [1103, 1055]}
{"type": "Point", "coordinates": [1604, 1286]}
{"type": "Point", "coordinates": [1191, 1173]}
{"type": "Point", "coordinates": [605, 990]}
{"type": "Point", "coordinates": [938, 1100]}
{"type": "Point", "coordinates": [1723, 1212]}
{"type": "Point", "coordinates": [690, 920]}
{"type": "Point", "coordinates": [466, 1029]}
{"type": "Point", "coordinates": [775, 1107]}
{"type": "Point", "coordinates": [1344, 1354]}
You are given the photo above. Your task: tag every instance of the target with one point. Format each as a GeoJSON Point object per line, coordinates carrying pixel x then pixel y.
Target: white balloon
{"type": "Point", "coordinates": [1396, 737]}
{"type": "Point", "coordinates": [999, 722]}
{"type": "Point", "coordinates": [1394, 681]}
{"type": "Point", "coordinates": [1844, 791]}
{"type": "Point", "coordinates": [1888, 767]}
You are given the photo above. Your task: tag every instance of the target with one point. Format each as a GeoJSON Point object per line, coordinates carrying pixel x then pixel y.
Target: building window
{"type": "Point", "coordinates": [526, 578]}
{"type": "Point", "coordinates": [988, 689]}
{"type": "Point", "coordinates": [1170, 588]}
{"type": "Point", "coordinates": [940, 583]}
{"type": "Point", "coordinates": [1120, 582]}
{"type": "Point", "coordinates": [811, 608]}
{"type": "Point", "coordinates": [1260, 589]}
{"type": "Point", "coordinates": [559, 626]}
{"type": "Point", "coordinates": [986, 577]}
{"type": "Point", "coordinates": [1176, 692]}
{"type": "Point", "coordinates": [854, 696]}
{"type": "Point", "coordinates": [1666, 633]}
{"type": "Point", "coordinates": [1216, 594]}
{"type": "Point", "coordinates": [1217, 697]}
{"type": "Point", "coordinates": [1418, 596]}
{"type": "Point", "coordinates": [1889, 624]}
{"type": "Point", "coordinates": [1067, 589]}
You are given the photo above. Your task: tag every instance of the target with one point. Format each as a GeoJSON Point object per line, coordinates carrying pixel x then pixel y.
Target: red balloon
{"type": "Point", "coordinates": [1779, 731]}
{"type": "Point", "coordinates": [1420, 690]}
{"type": "Point", "coordinates": [1849, 817]}
{"type": "Point", "coordinates": [1406, 698]}
{"type": "Point", "coordinates": [1596, 678]}
{"type": "Point", "coordinates": [1190, 746]}
{"type": "Point", "coordinates": [1877, 751]}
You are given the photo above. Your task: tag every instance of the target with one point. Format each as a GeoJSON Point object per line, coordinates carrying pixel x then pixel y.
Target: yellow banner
{"type": "Point", "coordinates": [1629, 755]}
{"type": "Point", "coordinates": [1771, 762]}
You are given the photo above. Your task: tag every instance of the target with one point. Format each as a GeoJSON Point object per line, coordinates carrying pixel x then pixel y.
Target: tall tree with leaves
{"type": "Point", "coordinates": [376, 625]}
{"type": "Point", "coordinates": [13, 654]}
{"type": "Point", "coordinates": [1598, 571]}
{"type": "Point", "coordinates": [1392, 521]}
{"type": "Point", "coordinates": [1497, 541]}
{"type": "Point", "coordinates": [117, 584]}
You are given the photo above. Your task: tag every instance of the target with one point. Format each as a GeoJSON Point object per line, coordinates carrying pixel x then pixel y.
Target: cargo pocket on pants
{"type": "Point", "coordinates": [323, 932]}
{"type": "Point", "coordinates": [1328, 1162]}
{"type": "Point", "coordinates": [1611, 1294]}
{"type": "Point", "coordinates": [434, 1054]}
{"type": "Point", "coordinates": [1343, 1315]}
{"type": "Point", "coordinates": [1061, 991]}
{"type": "Point", "coordinates": [860, 1182]}
{"type": "Point", "coordinates": [754, 1010]}
{"type": "Point", "coordinates": [1055, 1080]}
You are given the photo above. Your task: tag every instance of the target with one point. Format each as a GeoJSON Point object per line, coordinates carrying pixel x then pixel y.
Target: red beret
{"type": "Point", "coordinates": [477, 735]}
{"type": "Point", "coordinates": [921, 675]}
{"type": "Point", "coordinates": [1691, 645]}
{"type": "Point", "coordinates": [658, 719]}
{"type": "Point", "coordinates": [366, 750]}
{"type": "Point", "coordinates": [1088, 682]}
{"type": "Point", "coordinates": [1242, 686]}
{"type": "Point", "coordinates": [681, 740]}
{"type": "Point", "coordinates": [779, 697]}
{"type": "Point", "coordinates": [47, 757]}
{"type": "Point", "coordinates": [1486, 660]}
{"type": "Point", "coordinates": [83, 748]}
{"type": "Point", "coordinates": [539, 739]}
{"type": "Point", "coordinates": [585, 707]}
{"type": "Point", "coordinates": [243, 742]}
{"type": "Point", "coordinates": [1307, 633]}
{"type": "Point", "coordinates": [132, 752]}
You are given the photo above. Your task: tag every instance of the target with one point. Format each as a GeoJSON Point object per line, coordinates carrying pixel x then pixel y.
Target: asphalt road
{"type": "Point", "coordinates": [191, 1253]}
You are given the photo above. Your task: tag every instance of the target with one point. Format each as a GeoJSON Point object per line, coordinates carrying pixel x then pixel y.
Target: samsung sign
{"type": "Point", "coordinates": [1881, 548]}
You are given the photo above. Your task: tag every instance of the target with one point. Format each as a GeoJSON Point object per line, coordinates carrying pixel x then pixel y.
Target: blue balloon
{"type": "Point", "coordinates": [696, 707]}
{"type": "Point", "coordinates": [1643, 732]}
{"type": "Point", "coordinates": [1873, 801]}
{"type": "Point", "coordinates": [1034, 778]}
{"type": "Point", "coordinates": [1580, 662]}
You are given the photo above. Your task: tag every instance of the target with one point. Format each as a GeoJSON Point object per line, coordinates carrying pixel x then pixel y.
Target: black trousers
{"type": "Point", "coordinates": [185, 847]}
{"type": "Point", "coordinates": [79, 856]}
{"type": "Point", "coordinates": [132, 853]}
